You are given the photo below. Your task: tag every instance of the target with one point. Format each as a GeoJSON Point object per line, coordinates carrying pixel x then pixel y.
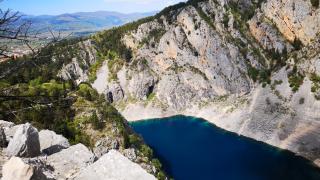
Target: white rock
{"type": "Point", "coordinates": [16, 169]}
{"type": "Point", "coordinates": [69, 161]}
{"type": "Point", "coordinates": [6, 124]}
{"type": "Point", "coordinates": [130, 154]}
{"type": "Point", "coordinates": [25, 142]}
{"type": "Point", "coordinates": [114, 165]}
{"type": "Point", "coordinates": [10, 131]}
{"type": "Point", "coordinates": [50, 142]}
{"type": "Point", "coordinates": [100, 84]}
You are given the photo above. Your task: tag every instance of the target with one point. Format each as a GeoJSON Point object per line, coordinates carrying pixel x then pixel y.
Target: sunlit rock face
{"type": "Point", "coordinates": [294, 18]}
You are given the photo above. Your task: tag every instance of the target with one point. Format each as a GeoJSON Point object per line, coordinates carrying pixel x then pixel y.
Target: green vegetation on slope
{"type": "Point", "coordinates": [315, 85]}
{"type": "Point", "coordinates": [295, 79]}
{"type": "Point", "coordinates": [30, 91]}
{"type": "Point", "coordinates": [110, 40]}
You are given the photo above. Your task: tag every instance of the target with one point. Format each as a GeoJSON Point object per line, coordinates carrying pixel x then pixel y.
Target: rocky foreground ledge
{"type": "Point", "coordinates": [31, 155]}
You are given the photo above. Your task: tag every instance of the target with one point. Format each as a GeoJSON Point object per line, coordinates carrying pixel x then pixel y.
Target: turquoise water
{"type": "Point", "coordinates": [191, 148]}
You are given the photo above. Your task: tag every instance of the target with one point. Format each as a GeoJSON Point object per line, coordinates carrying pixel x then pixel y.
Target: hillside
{"type": "Point", "coordinates": [38, 95]}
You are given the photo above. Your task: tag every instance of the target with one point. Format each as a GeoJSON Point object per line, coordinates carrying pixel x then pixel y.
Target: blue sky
{"type": "Point", "coordinates": [53, 7]}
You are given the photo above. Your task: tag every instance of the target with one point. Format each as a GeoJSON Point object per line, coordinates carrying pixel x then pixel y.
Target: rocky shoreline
{"type": "Point", "coordinates": [232, 116]}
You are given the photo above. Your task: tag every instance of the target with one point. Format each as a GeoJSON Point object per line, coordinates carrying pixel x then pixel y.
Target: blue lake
{"type": "Point", "coordinates": [192, 149]}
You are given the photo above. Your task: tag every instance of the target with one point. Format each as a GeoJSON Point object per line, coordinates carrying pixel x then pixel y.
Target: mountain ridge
{"type": "Point", "coordinates": [82, 21]}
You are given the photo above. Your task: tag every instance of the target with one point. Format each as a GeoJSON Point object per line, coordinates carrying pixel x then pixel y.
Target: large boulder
{"type": "Point", "coordinates": [114, 165]}
{"type": "Point", "coordinates": [16, 169]}
{"type": "Point", "coordinates": [27, 169]}
{"type": "Point", "coordinates": [25, 142]}
{"type": "Point", "coordinates": [69, 161]}
{"type": "Point", "coordinates": [51, 143]}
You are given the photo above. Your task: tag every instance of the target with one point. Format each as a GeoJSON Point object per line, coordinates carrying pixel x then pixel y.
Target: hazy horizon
{"type": "Point", "coordinates": [31, 15]}
{"type": "Point", "coordinates": [57, 7]}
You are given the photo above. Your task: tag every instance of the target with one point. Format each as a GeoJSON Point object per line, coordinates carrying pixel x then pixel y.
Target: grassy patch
{"type": "Point", "coordinates": [151, 96]}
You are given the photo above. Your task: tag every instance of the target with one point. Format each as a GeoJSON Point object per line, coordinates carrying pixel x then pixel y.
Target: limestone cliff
{"type": "Point", "coordinates": [251, 67]}
{"type": "Point", "coordinates": [77, 69]}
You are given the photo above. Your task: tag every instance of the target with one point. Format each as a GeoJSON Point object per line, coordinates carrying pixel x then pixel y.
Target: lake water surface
{"type": "Point", "coordinates": [193, 149]}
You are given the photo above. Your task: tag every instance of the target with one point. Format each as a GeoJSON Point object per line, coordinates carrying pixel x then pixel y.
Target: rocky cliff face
{"type": "Point", "coordinates": [78, 68]}
{"type": "Point", "coordinates": [251, 67]}
{"type": "Point", "coordinates": [294, 19]}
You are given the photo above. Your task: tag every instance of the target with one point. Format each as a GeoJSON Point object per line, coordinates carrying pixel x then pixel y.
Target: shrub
{"type": "Point", "coordinates": [315, 3]}
{"type": "Point", "coordinates": [53, 88]}
{"type": "Point", "coordinates": [315, 78]}
{"type": "Point", "coordinates": [297, 44]}
{"type": "Point", "coordinates": [146, 151]}
{"type": "Point", "coordinates": [134, 140]}
{"type": "Point", "coordinates": [156, 163]}
{"type": "Point", "coordinates": [295, 81]}
{"type": "Point", "coordinates": [253, 73]}
{"type": "Point", "coordinates": [278, 82]}
{"type": "Point", "coordinates": [315, 84]}
{"type": "Point", "coordinates": [264, 76]}
{"type": "Point", "coordinates": [87, 92]}
{"type": "Point", "coordinates": [301, 100]}
{"type": "Point", "coordinates": [36, 82]}
{"type": "Point", "coordinates": [161, 176]}
{"type": "Point", "coordinates": [225, 20]}
{"type": "Point", "coordinates": [71, 131]}
{"type": "Point", "coordinates": [96, 123]}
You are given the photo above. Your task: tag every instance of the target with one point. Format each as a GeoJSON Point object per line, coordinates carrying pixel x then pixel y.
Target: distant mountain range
{"type": "Point", "coordinates": [82, 22]}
